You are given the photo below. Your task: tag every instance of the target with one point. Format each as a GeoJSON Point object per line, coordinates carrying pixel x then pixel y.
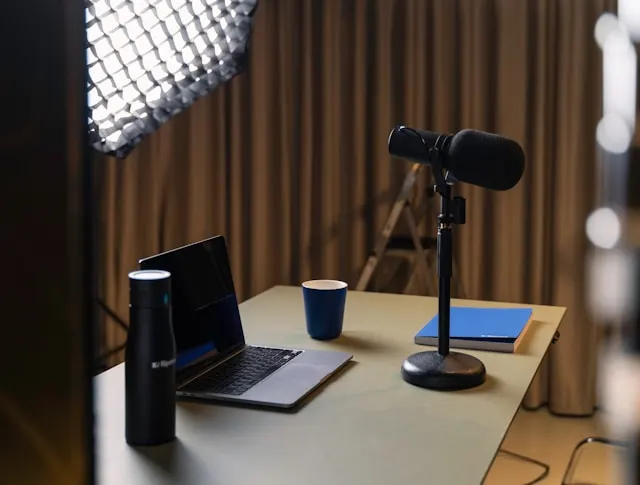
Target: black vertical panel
{"type": "Point", "coordinates": [46, 265]}
{"type": "Point", "coordinates": [633, 178]}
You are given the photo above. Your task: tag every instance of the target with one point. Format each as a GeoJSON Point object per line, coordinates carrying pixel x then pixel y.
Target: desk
{"type": "Point", "coordinates": [364, 427]}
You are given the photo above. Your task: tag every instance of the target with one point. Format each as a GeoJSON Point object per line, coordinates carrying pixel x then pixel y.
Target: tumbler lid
{"type": "Point", "coordinates": [149, 274]}
{"type": "Point", "coordinates": [150, 288]}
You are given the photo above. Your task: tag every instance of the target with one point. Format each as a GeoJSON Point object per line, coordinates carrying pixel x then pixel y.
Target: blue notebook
{"type": "Point", "coordinates": [497, 329]}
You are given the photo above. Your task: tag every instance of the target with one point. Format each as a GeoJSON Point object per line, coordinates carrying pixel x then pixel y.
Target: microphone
{"type": "Point", "coordinates": [474, 157]}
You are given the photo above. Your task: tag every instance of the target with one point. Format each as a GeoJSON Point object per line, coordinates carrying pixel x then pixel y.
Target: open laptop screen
{"type": "Point", "coordinates": [206, 318]}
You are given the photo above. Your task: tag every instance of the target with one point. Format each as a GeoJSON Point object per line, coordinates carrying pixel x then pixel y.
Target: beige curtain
{"type": "Point", "coordinates": [289, 160]}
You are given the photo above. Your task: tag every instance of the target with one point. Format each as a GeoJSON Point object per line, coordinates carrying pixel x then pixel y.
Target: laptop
{"type": "Point", "coordinates": [213, 361]}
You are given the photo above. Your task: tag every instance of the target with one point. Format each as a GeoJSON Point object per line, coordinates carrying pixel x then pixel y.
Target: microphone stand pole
{"type": "Point", "coordinates": [443, 369]}
{"type": "Point", "coordinates": [445, 258]}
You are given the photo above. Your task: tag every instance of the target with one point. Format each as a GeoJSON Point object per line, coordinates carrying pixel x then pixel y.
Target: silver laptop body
{"type": "Point", "coordinates": [213, 360]}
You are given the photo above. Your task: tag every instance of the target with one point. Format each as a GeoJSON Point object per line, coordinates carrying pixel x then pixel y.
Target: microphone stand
{"type": "Point", "coordinates": [443, 369]}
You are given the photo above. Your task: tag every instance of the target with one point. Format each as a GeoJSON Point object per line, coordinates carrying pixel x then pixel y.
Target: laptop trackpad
{"type": "Point", "coordinates": [290, 383]}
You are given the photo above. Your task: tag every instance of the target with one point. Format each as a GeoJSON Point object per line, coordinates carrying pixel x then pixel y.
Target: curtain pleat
{"type": "Point", "coordinates": [289, 160]}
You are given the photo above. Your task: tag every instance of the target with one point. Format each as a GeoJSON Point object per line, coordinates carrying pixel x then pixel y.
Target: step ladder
{"type": "Point", "coordinates": [419, 249]}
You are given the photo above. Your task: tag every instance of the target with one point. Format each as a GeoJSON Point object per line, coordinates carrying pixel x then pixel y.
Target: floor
{"type": "Point", "coordinates": [551, 439]}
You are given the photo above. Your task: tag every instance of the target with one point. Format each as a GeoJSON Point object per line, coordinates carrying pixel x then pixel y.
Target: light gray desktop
{"type": "Point", "coordinates": [364, 426]}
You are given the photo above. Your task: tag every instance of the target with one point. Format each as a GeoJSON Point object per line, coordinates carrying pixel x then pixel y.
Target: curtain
{"type": "Point", "coordinates": [289, 160]}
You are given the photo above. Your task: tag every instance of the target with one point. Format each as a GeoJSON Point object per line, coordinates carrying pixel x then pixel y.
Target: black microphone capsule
{"type": "Point", "coordinates": [485, 159]}
{"type": "Point", "coordinates": [474, 157]}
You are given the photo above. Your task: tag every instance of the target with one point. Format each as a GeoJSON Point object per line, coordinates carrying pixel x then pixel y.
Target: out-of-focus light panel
{"type": "Point", "coordinates": [604, 228]}
{"type": "Point", "coordinates": [610, 285]}
{"type": "Point", "coordinates": [606, 24]}
{"type": "Point", "coordinates": [614, 134]}
{"type": "Point", "coordinates": [620, 65]}
{"type": "Point", "coordinates": [616, 129]}
{"type": "Point", "coordinates": [629, 15]}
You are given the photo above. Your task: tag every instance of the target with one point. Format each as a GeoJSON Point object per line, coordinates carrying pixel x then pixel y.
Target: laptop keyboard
{"type": "Point", "coordinates": [241, 372]}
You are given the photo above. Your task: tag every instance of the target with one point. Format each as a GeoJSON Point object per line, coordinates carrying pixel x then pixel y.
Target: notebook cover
{"type": "Point", "coordinates": [484, 324]}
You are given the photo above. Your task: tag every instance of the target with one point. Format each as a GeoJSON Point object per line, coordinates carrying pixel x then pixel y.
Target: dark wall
{"type": "Point", "coordinates": [45, 311]}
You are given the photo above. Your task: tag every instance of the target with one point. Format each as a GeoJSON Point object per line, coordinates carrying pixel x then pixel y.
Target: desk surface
{"type": "Point", "coordinates": [365, 426]}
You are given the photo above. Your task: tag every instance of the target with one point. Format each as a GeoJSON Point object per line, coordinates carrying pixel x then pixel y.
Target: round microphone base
{"type": "Point", "coordinates": [452, 372]}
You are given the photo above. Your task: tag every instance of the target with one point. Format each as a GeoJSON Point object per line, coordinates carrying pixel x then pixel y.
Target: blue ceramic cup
{"type": "Point", "coordinates": [324, 302]}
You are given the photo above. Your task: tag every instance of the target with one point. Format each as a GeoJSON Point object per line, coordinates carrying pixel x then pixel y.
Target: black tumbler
{"type": "Point", "coordinates": [150, 357]}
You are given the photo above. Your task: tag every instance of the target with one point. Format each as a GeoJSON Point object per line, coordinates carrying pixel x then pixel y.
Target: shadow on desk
{"type": "Point", "coordinates": [353, 342]}
{"type": "Point", "coordinates": [201, 406]}
{"type": "Point", "coordinates": [177, 461]}
{"type": "Point", "coordinates": [490, 384]}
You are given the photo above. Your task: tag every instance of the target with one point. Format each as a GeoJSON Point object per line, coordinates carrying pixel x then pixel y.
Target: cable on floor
{"type": "Point", "coordinates": [111, 352]}
{"type": "Point", "coordinates": [116, 318]}
{"type": "Point", "coordinates": [100, 361]}
{"type": "Point", "coordinates": [544, 466]}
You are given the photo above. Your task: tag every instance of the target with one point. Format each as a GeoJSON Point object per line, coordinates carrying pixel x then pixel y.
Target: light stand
{"type": "Point", "coordinates": [443, 369]}
{"type": "Point", "coordinates": [147, 62]}
{"type": "Point", "coordinates": [616, 37]}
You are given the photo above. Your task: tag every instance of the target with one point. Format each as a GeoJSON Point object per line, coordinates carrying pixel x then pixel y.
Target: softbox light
{"type": "Point", "coordinates": [150, 59]}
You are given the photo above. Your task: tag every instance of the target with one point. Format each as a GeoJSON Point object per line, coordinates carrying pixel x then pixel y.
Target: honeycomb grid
{"type": "Point", "coordinates": [149, 60]}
